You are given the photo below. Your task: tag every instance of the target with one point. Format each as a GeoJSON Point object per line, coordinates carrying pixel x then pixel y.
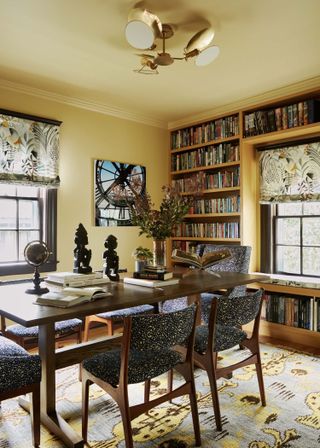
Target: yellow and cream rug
{"type": "Point", "coordinates": [291, 418]}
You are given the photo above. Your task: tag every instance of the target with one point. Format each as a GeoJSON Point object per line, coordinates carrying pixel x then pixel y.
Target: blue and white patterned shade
{"type": "Point", "coordinates": [29, 152]}
{"type": "Point", "coordinates": [290, 174]}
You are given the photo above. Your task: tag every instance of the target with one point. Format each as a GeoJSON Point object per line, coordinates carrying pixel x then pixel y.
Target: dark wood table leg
{"type": "Point", "coordinates": [49, 416]}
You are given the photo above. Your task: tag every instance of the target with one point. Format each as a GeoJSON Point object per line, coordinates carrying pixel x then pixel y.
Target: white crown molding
{"type": "Point", "coordinates": [292, 89]}
{"type": "Point", "coordinates": [83, 104]}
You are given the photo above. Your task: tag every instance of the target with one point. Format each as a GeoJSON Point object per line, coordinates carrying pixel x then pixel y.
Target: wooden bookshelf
{"type": "Point", "coordinates": [247, 216]}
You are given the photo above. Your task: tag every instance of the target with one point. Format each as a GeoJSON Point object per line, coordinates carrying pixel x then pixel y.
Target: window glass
{"type": "Point", "coordinates": [311, 231]}
{"type": "Point", "coordinates": [292, 208]}
{"type": "Point", "coordinates": [24, 238]}
{"type": "Point", "coordinates": [288, 231]}
{"type": "Point", "coordinates": [8, 214]}
{"type": "Point", "coordinates": [311, 261]}
{"type": "Point", "coordinates": [29, 192]}
{"type": "Point", "coordinates": [7, 190]}
{"type": "Point", "coordinates": [29, 214]}
{"type": "Point", "coordinates": [8, 244]}
{"type": "Point", "coordinates": [311, 208]}
{"type": "Point", "coordinates": [288, 259]}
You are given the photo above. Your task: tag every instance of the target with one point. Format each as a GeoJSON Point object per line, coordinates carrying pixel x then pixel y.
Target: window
{"type": "Point", "coordinates": [294, 229]}
{"type": "Point", "coordinates": [27, 213]}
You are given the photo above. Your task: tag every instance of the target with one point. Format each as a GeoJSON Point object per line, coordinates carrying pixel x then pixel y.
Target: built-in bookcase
{"type": "Point", "coordinates": [215, 163]}
{"type": "Point", "coordinates": [205, 165]}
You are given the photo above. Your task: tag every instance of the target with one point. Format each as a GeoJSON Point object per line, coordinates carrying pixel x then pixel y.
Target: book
{"type": "Point", "coordinates": [148, 275]}
{"type": "Point", "coordinates": [150, 283]}
{"type": "Point", "coordinates": [71, 296]}
{"type": "Point", "coordinates": [75, 279]}
{"type": "Point", "coordinates": [207, 260]}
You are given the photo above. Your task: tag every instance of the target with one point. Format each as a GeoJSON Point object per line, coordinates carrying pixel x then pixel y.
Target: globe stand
{"type": "Point", "coordinates": [36, 253]}
{"type": "Point", "coordinates": [36, 281]}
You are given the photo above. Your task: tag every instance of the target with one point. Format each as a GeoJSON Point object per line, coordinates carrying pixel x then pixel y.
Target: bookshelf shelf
{"type": "Point", "coordinates": [209, 143]}
{"type": "Point", "coordinates": [206, 168]}
{"type": "Point", "coordinates": [212, 215]}
{"type": "Point", "coordinates": [212, 190]}
{"type": "Point", "coordinates": [213, 240]}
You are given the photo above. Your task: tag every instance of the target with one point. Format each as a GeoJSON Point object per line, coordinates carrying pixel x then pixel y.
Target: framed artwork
{"type": "Point", "coordinates": [115, 185]}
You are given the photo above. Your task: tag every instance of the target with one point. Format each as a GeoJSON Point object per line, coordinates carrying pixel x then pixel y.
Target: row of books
{"type": "Point", "coordinates": [298, 312]}
{"type": "Point", "coordinates": [186, 246]}
{"type": "Point", "coordinates": [208, 230]}
{"type": "Point", "coordinates": [206, 132]}
{"type": "Point", "coordinates": [279, 118]}
{"type": "Point", "coordinates": [229, 204]}
{"type": "Point", "coordinates": [207, 181]}
{"type": "Point", "coordinates": [210, 155]}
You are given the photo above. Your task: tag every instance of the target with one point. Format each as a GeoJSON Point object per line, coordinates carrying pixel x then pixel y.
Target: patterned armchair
{"type": "Point", "coordinates": [238, 262]}
{"type": "Point", "coordinates": [20, 373]}
{"type": "Point", "coordinates": [147, 351]}
{"type": "Point", "coordinates": [215, 337]}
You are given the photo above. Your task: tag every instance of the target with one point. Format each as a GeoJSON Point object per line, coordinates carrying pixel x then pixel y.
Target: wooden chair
{"type": "Point", "coordinates": [147, 351]}
{"type": "Point", "coordinates": [222, 333]}
{"type": "Point", "coordinates": [20, 373]}
{"type": "Point", "coordinates": [114, 317]}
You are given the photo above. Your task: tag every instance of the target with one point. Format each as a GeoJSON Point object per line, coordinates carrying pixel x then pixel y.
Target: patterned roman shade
{"type": "Point", "coordinates": [29, 150]}
{"type": "Point", "coordinates": [291, 173]}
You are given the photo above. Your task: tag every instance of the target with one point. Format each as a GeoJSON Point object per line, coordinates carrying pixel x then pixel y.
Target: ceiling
{"type": "Point", "coordinates": [77, 49]}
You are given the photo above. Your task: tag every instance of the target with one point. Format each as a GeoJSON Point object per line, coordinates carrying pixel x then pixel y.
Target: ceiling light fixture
{"type": "Point", "coordinates": [144, 28]}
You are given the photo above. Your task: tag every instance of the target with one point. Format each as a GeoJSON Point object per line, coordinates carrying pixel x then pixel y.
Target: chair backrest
{"type": "Point", "coordinates": [238, 262]}
{"type": "Point", "coordinates": [240, 310]}
{"type": "Point", "coordinates": [161, 331]}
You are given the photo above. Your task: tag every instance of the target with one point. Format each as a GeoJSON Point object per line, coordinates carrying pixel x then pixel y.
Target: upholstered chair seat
{"type": "Point", "coordinates": [61, 328]}
{"type": "Point", "coordinates": [111, 317]}
{"type": "Point", "coordinates": [17, 367]}
{"type": "Point", "coordinates": [148, 349]}
{"type": "Point", "coordinates": [142, 364]}
{"type": "Point", "coordinates": [20, 373]}
{"type": "Point", "coordinates": [226, 337]}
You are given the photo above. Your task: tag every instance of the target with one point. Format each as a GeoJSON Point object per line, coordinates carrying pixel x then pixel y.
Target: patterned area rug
{"type": "Point", "coordinates": [291, 418]}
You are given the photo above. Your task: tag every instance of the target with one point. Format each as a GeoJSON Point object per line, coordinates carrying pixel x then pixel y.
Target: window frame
{"type": "Point", "coordinates": [269, 217]}
{"type": "Point", "coordinates": [47, 200]}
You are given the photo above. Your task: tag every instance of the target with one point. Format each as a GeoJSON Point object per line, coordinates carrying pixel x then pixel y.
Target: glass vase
{"type": "Point", "coordinates": [159, 253]}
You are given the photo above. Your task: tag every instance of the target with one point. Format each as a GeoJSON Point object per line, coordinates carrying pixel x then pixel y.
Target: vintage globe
{"type": "Point", "coordinates": [36, 253]}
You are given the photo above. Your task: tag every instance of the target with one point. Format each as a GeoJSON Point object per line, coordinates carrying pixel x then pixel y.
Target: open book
{"type": "Point", "coordinates": [207, 260]}
{"type": "Point", "coordinates": [71, 296]}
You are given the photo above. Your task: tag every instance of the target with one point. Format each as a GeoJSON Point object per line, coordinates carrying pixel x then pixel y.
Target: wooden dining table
{"type": "Point", "coordinates": [20, 307]}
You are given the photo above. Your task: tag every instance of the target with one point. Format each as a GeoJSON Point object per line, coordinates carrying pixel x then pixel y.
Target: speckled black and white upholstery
{"type": "Point", "coordinates": [120, 314]}
{"type": "Point", "coordinates": [17, 367]}
{"type": "Point", "coordinates": [148, 349]}
{"type": "Point", "coordinates": [151, 353]}
{"type": "Point", "coordinates": [227, 314]}
{"type": "Point", "coordinates": [238, 262]}
{"type": "Point", "coordinates": [61, 328]}
{"type": "Point", "coordinates": [231, 313]}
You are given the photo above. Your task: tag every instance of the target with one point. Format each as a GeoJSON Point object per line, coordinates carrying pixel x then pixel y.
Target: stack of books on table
{"type": "Point", "coordinates": [76, 280]}
{"type": "Point", "coordinates": [152, 277]}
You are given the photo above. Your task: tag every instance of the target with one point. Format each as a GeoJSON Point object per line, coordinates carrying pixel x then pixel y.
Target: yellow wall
{"type": "Point", "coordinates": [86, 136]}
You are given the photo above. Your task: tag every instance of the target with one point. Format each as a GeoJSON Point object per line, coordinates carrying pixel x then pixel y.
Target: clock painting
{"type": "Point", "coordinates": [116, 184]}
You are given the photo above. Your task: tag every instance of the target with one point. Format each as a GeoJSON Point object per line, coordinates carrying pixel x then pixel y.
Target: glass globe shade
{"type": "Point", "coordinates": [207, 55]}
